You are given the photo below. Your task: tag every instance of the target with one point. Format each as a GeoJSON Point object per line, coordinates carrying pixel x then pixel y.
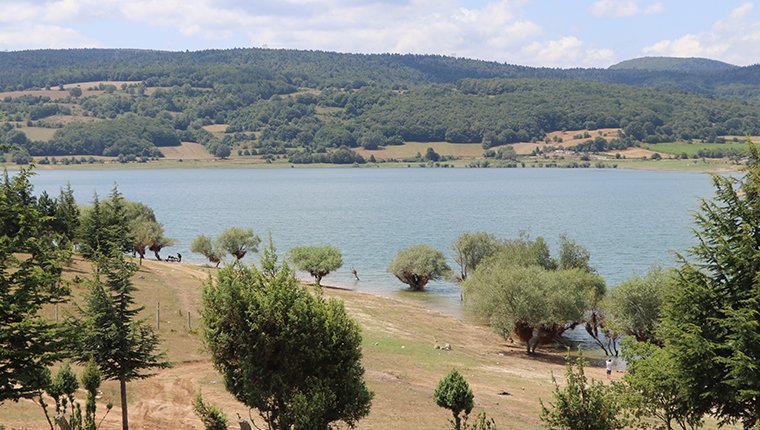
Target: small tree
{"type": "Point", "coordinates": [634, 307]}
{"type": "Point", "coordinates": [583, 404]}
{"type": "Point", "coordinates": [123, 346]}
{"type": "Point", "coordinates": [454, 394]}
{"type": "Point", "coordinates": [319, 261]}
{"type": "Point", "coordinates": [293, 356]}
{"type": "Point", "coordinates": [212, 417]}
{"type": "Point", "coordinates": [417, 265]}
{"type": "Point", "coordinates": [237, 241]}
{"type": "Point", "coordinates": [472, 248]}
{"type": "Point", "coordinates": [91, 379]}
{"type": "Point", "coordinates": [203, 245]}
{"type": "Point", "coordinates": [654, 387]}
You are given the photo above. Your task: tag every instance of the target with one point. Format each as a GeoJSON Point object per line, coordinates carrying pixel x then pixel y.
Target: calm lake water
{"type": "Point", "coordinates": [628, 220]}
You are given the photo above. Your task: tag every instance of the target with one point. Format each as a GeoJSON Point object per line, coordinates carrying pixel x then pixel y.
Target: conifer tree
{"type": "Point", "coordinates": [30, 278]}
{"type": "Point", "coordinates": [123, 346]}
{"type": "Point", "coordinates": [712, 320]}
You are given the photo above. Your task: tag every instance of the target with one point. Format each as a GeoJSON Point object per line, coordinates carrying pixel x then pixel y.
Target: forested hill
{"type": "Point", "coordinates": [673, 64]}
{"type": "Point", "coordinates": [318, 69]}
{"type": "Point", "coordinates": [310, 106]}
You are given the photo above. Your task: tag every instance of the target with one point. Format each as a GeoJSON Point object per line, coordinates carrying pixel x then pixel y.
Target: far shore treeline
{"type": "Point", "coordinates": [315, 107]}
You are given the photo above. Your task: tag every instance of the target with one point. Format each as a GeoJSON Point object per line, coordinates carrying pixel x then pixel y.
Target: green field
{"type": "Point", "coordinates": [692, 149]}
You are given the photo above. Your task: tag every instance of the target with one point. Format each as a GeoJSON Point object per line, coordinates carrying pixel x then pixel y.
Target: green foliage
{"type": "Point", "coordinates": [105, 226]}
{"type": "Point", "coordinates": [520, 290]}
{"type": "Point", "coordinates": [417, 265]}
{"type": "Point", "coordinates": [472, 248]}
{"type": "Point", "coordinates": [30, 278]}
{"type": "Point", "coordinates": [573, 256]}
{"type": "Point", "coordinates": [212, 417]}
{"type": "Point", "coordinates": [204, 245]}
{"type": "Point", "coordinates": [583, 404]}
{"type": "Point", "coordinates": [123, 346]}
{"type": "Point", "coordinates": [712, 318]}
{"type": "Point", "coordinates": [317, 260]}
{"type": "Point", "coordinates": [293, 356]}
{"type": "Point", "coordinates": [144, 230]}
{"type": "Point", "coordinates": [454, 394]}
{"type": "Point", "coordinates": [237, 241]}
{"type": "Point", "coordinates": [91, 379]}
{"type": "Point", "coordinates": [128, 135]}
{"type": "Point", "coordinates": [634, 307]}
{"type": "Point", "coordinates": [654, 388]}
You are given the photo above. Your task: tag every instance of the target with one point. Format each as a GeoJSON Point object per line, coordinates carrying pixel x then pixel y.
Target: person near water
{"type": "Point", "coordinates": [609, 367]}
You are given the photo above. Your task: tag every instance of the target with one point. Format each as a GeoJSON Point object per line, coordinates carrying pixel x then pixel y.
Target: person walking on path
{"type": "Point", "coordinates": [609, 368]}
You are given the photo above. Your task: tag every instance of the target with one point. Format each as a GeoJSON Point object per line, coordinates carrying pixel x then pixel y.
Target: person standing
{"type": "Point", "coordinates": [609, 368]}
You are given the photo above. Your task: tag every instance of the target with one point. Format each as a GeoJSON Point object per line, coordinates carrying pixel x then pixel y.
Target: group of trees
{"type": "Point", "coordinates": [37, 242]}
{"type": "Point", "coordinates": [234, 241]}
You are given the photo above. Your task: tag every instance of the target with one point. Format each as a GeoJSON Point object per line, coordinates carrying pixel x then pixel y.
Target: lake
{"type": "Point", "coordinates": [628, 220]}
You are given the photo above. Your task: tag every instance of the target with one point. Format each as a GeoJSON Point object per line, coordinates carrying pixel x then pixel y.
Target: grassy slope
{"type": "Point", "coordinates": [402, 366]}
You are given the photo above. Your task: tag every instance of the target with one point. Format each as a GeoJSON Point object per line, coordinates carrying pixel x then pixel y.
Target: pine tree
{"type": "Point", "coordinates": [30, 278]}
{"type": "Point", "coordinates": [712, 320]}
{"type": "Point", "coordinates": [123, 346]}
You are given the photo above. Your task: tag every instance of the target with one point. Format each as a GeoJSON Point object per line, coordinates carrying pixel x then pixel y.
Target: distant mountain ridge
{"type": "Point", "coordinates": [674, 64]}
{"type": "Point", "coordinates": [322, 69]}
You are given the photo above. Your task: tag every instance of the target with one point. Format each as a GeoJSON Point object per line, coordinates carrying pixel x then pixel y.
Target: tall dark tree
{"type": "Point", "coordinates": [123, 346]}
{"type": "Point", "coordinates": [30, 278]}
{"type": "Point", "coordinates": [712, 320]}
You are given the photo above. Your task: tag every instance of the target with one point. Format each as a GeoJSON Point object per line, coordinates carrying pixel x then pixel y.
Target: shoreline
{"type": "Point", "coordinates": [713, 166]}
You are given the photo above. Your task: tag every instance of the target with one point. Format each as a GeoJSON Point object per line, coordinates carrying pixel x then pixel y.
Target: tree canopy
{"type": "Point", "coordinates": [319, 261]}
{"type": "Point", "coordinates": [711, 320]}
{"type": "Point", "coordinates": [292, 355]}
{"type": "Point", "coordinates": [417, 265]}
{"type": "Point", "coordinates": [520, 290]}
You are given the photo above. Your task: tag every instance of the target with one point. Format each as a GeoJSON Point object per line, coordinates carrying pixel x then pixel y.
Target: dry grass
{"type": "Point", "coordinates": [410, 149]}
{"type": "Point", "coordinates": [39, 133]}
{"type": "Point", "coordinates": [186, 151]}
{"type": "Point", "coordinates": [402, 367]}
{"type": "Point", "coordinates": [568, 140]}
{"type": "Point", "coordinates": [216, 128]}
{"type": "Point", "coordinates": [57, 94]}
{"type": "Point", "coordinates": [635, 153]}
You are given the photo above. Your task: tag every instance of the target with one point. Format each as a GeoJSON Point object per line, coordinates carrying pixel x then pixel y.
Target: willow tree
{"type": "Point", "coordinates": [417, 265]}
{"type": "Point", "coordinates": [319, 261]}
{"type": "Point", "coordinates": [521, 292]}
{"type": "Point", "coordinates": [712, 320]}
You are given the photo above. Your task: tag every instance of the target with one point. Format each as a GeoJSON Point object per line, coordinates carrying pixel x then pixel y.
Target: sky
{"type": "Point", "coordinates": [552, 33]}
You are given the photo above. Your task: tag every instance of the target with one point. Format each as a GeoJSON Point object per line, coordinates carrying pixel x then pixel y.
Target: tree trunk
{"type": "Point", "coordinates": [124, 414]}
{"type": "Point", "coordinates": [158, 257]}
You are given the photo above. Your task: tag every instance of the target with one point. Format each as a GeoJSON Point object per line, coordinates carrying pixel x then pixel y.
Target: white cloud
{"type": "Point", "coordinates": [623, 8]}
{"type": "Point", "coordinates": [496, 30]}
{"type": "Point", "coordinates": [734, 39]}
{"type": "Point", "coordinates": [567, 51]}
{"type": "Point", "coordinates": [42, 36]}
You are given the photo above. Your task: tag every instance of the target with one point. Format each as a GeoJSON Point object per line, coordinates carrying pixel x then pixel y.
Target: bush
{"type": "Point", "coordinates": [454, 394]}
{"type": "Point", "coordinates": [582, 404]}
{"type": "Point", "coordinates": [294, 356]}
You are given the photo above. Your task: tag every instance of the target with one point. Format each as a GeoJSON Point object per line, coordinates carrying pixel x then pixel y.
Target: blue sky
{"type": "Point", "coordinates": [554, 33]}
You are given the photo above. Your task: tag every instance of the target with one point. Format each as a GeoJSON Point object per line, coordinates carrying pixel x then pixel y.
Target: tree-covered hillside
{"type": "Point", "coordinates": [673, 64]}
{"type": "Point", "coordinates": [315, 106]}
